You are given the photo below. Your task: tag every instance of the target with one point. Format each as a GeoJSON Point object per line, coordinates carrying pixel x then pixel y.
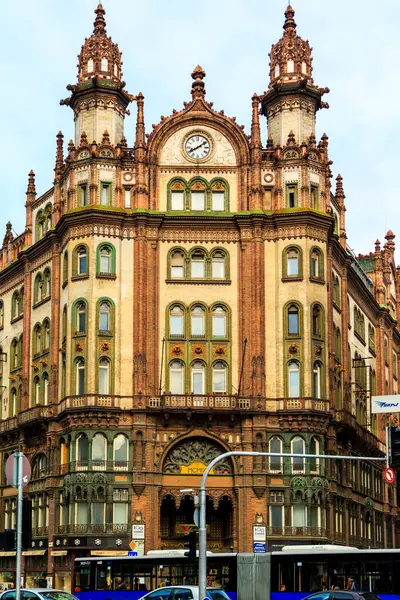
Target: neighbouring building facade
{"type": "Point", "coordinates": [184, 295]}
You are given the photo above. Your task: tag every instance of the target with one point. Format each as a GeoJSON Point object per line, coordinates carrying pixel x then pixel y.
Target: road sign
{"type": "Point", "coordinates": [132, 545]}
{"type": "Point", "coordinates": [259, 548]}
{"type": "Point", "coordinates": [196, 516]}
{"type": "Point", "coordinates": [12, 470]}
{"type": "Point", "coordinates": [131, 553]}
{"type": "Point", "coordinates": [389, 475]}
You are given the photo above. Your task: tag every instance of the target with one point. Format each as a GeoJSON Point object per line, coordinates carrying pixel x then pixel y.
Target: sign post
{"type": "Point", "coordinates": [18, 473]}
{"type": "Point", "coordinates": [389, 475]}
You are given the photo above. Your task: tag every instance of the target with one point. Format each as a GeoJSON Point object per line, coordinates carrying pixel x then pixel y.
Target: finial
{"type": "Point", "coordinates": [377, 246]}
{"type": "Point", "coordinates": [339, 193]}
{"type": "Point", "coordinates": [84, 140]}
{"type": "Point", "coordinates": [289, 19]}
{"type": "Point", "coordinates": [9, 234]}
{"type": "Point", "coordinates": [270, 143]}
{"type": "Point", "coordinates": [198, 88]}
{"type": "Point", "coordinates": [106, 138]}
{"type": "Point", "coordinates": [100, 22]}
{"type": "Point", "coordinates": [31, 183]}
{"type": "Point", "coordinates": [291, 141]}
{"type": "Point", "coordinates": [255, 122]}
{"type": "Point", "coordinates": [60, 152]}
{"type": "Point", "coordinates": [312, 141]}
{"type": "Point", "coordinates": [390, 235]}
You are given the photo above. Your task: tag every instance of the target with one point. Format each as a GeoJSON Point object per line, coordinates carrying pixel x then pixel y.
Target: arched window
{"type": "Point", "coordinates": [82, 261]}
{"type": "Point", "coordinates": [13, 408]}
{"type": "Point", "coordinates": [36, 390]}
{"type": "Point", "coordinates": [316, 264]}
{"type": "Point", "coordinates": [82, 450]}
{"type": "Point", "coordinates": [294, 379]}
{"type": "Point", "coordinates": [80, 376]}
{"type": "Point", "coordinates": [292, 258]}
{"type": "Point", "coordinates": [218, 264]}
{"type": "Point", "coordinates": [176, 377]}
{"type": "Point", "coordinates": [176, 324]}
{"type": "Point", "coordinates": [219, 324]}
{"type": "Point", "coordinates": [218, 192]}
{"type": "Point", "coordinates": [219, 378]}
{"type": "Point", "coordinates": [38, 288]}
{"type": "Point", "coordinates": [317, 380]}
{"type": "Point", "coordinates": [90, 65]}
{"type": "Point", "coordinates": [338, 345]}
{"type": "Point", "coordinates": [293, 320]}
{"type": "Point", "coordinates": [104, 376]}
{"type": "Point", "coordinates": [47, 284]}
{"type": "Point", "coordinates": [198, 377]}
{"type": "Point", "coordinates": [99, 451]}
{"type": "Point", "coordinates": [14, 354]}
{"type": "Point", "coordinates": [105, 259]}
{"type": "Point", "coordinates": [46, 337]}
{"type": "Point", "coordinates": [177, 195]}
{"type": "Point", "coordinates": [64, 322]}
{"type": "Point", "coordinates": [314, 449]}
{"type": "Point", "coordinates": [298, 447]}
{"type": "Point", "coordinates": [81, 317]}
{"type": "Point", "coordinates": [198, 322]}
{"type": "Point", "coordinates": [336, 291]}
{"type": "Point", "coordinates": [37, 340]}
{"type": "Point", "coordinates": [104, 64]}
{"type": "Point", "coordinates": [198, 264]}
{"type": "Point", "coordinates": [45, 389]}
{"type": "Point", "coordinates": [65, 267]}
{"type": "Point", "coordinates": [198, 196]}
{"type": "Point", "coordinates": [317, 324]}
{"type": "Point", "coordinates": [177, 265]}
{"type": "Point", "coordinates": [104, 317]}
{"type": "Point", "coordinates": [1, 314]}
{"type": "Point", "coordinates": [120, 452]}
{"type": "Point", "coordinates": [275, 462]}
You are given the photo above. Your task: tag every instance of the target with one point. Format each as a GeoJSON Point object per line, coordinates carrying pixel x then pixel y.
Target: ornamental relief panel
{"type": "Point", "coordinates": [192, 456]}
{"type": "Point", "coordinates": [222, 150]}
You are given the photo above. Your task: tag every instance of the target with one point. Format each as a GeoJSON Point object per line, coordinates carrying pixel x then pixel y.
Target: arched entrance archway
{"type": "Point", "coordinates": [182, 469]}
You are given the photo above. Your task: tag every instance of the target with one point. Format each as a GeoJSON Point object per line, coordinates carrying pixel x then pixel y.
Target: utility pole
{"type": "Point", "coordinates": [203, 490]}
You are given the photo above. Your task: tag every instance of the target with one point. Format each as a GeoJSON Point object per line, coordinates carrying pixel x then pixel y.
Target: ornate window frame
{"type": "Point", "coordinates": [112, 273]}
{"type": "Point", "coordinates": [76, 275]}
{"type": "Point", "coordinates": [286, 308]}
{"type": "Point", "coordinates": [319, 278]}
{"type": "Point", "coordinates": [285, 255]}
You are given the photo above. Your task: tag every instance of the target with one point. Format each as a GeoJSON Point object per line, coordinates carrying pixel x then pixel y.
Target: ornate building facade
{"type": "Point", "coordinates": [182, 296]}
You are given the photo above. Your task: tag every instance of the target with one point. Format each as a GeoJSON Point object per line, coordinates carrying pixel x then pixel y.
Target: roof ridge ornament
{"type": "Point", "coordinates": [100, 22]}
{"type": "Point", "coordinates": [290, 23]}
{"type": "Point", "coordinates": [198, 85]}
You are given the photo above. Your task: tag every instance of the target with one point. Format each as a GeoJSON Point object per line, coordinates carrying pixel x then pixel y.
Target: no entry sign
{"type": "Point", "coordinates": [389, 475]}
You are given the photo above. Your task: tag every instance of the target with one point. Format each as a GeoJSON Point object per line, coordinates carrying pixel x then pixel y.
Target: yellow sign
{"type": "Point", "coordinates": [196, 468]}
{"type": "Point", "coordinates": [132, 545]}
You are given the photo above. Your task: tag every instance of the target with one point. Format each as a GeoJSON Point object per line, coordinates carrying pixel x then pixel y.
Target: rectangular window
{"type": "Point", "coordinates": [293, 266]}
{"type": "Point", "coordinates": [314, 196]}
{"type": "Point", "coordinates": [176, 381]}
{"type": "Point", "coordinates": [219, 326]}
{"type": "Point", "coordinates": [294, 384]}
{"type": "Point", "coordinates": [105, 196]}
{"type": "Point", "coordinates": [315, 516]}
{"type": "Point", "coordinates": [299, 515]}
{"type": "Point", "coordinates": [127, 197]}
{"type": "Point", "coordinates": [80, 387]}
{"type": "Point", "coordinates": [83, 195]}
{"type": "Point", "coordinates": [218, 269]}
{"type": "Point", "coordinates": [176, 323]}
{"type": "Point", "coordinates": [198, 383]}
{"type": "Point", "coordinates": [197, 325]}
{"type": "Point", "coordinates": [177, 200]}
{"type": "Point", "coordinates": [314, 266]}
{"type": "Point", "coordinates": [292, 196]}
{"type": "Point", "coordinates": [103, 381]}
{"type": "Point", "coordinates": [219, 381]}
{"type": "Point", "coordinates": [177, 272]}
{"type": "Point", "coordinates": [276, 516]}
{"type": "Point", "coordinates": [81, 513]}
{"type": "Point", "coordinates": [198, 269]}
{"type": "Point", "coordinates": [218, 200]}
{"type": "Point", "coordinates": [198, 200]}
{"type": "Point", "coordinates": [293, 323]}
{"type": "Point", "coordinates": [98, 513]}
{"type": "Point", "coordinates": [120, 515]}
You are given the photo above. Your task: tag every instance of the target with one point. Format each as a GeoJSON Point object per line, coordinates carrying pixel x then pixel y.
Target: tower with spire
{"type": "Point", "coordinates": [292, 99]}
{"type": "Point", "coordinates": [98, 99]}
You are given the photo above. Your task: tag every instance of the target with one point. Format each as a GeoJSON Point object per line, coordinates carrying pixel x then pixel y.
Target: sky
{"type": "Point", "coordinates": [356, 45]}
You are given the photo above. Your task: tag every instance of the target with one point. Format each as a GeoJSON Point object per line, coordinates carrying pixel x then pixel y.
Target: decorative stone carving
{"type": "Point", "coordinates": [195, 450]}
{"type": "Point", "coordinates": [105, 346]}
{"type": "Point", "coordinates": [79, 346]}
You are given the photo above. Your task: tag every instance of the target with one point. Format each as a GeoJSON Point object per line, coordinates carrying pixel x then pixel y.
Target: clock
{"type": "Point", "coordinates": [197, 146]}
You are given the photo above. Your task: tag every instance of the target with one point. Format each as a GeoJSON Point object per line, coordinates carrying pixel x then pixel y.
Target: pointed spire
{"type": "Point", "coordinates": [84, 139]}
{"type": "Point", "coordinates": [198, 86]}
{"type": "Point", "coordinates": [9, 234]}
{"type": "Point", "coordinates": [60, 152]}
{"type": "Point", "coordinates": [270, 143]}
{"type": "Point", "coordinates": [289, 19]}
{"type": "Point", "coordinates": [339, 193]}
{"type": "Point", "coordinates": [106, 138]}
{"type": "Point", "coordinates": [291, 141]}
{"type": "Point", "coordinates": [100, 22]}
{"type": "Point", "coordinates": [140, 141]}
{"type": "Point", "coordinates": [255, 122]}
{"type": "Point", "coordinates": [312, 141]}
{"type": "Point", "coordinates": [31, 183]}
{"type": "Point", "coordinates": [377, 246]}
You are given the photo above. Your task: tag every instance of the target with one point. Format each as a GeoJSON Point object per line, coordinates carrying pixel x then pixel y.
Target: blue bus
{"type": "Point", "coordinates": [287, 573]}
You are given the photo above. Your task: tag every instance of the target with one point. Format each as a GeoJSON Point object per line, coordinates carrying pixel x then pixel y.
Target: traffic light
{"type": "Point", "coordinates": [26, 523]}
{"type": "Point", "coordinates": [191, 543]}
{"type": "Point", "coordinates": [395, 446]}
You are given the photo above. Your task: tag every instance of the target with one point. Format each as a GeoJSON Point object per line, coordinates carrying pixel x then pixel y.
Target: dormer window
{"type": "Point", "coordinates": [290, 66]}
{"type": "Point", "coordinates": [90, 65]}
{"type": "Point", "coordinates": [104, 64]}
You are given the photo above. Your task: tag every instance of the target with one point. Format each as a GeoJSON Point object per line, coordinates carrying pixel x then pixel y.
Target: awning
{"type": "Point", "coordinates": [7, 553]}
{"type": "Point", "coordinates": [59, 552]}
{"type": "Point", "coordinates": [109, 552]}
{"type": "Point", "coordinates": [34, 552]}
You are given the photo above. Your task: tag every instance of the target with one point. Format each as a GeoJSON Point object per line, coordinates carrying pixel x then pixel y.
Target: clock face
{"type": "Point", "coordinates": [197, 146]}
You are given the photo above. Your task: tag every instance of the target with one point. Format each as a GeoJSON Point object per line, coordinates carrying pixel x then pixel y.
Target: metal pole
{"type": "Point", "coordinates": [203, 489]}
{"type": "Point", "coordinates": [387, 447]}
{"type": "Point", "coordinates": [20, 464]}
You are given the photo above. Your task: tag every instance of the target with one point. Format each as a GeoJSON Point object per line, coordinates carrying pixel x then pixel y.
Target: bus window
{"type": "Point", "coordinates": [103, 577]}
{"type": "Point", "coordinates": [82, 580]}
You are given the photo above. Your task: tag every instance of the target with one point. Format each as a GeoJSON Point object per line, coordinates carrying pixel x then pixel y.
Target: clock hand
{"type": "Point", "coordinates": [199, 146]}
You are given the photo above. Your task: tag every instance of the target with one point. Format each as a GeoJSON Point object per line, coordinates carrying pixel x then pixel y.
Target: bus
{"type": "Point", "coordinates": [287, 573]}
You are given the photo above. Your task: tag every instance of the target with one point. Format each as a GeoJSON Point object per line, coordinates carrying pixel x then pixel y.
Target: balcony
{"type": "Point", "coordinates": [8, 424]}
{"type": "Point", "coordinates": [348, 422]}
{"type": "Point", "coordinates": [113, 466]}
{"type": "Point", "coordinates": [315, 532]}
{"type": "Point", "coordinates": [91, 528]}
{"type": "Point", "coordinates": [36, 413]}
